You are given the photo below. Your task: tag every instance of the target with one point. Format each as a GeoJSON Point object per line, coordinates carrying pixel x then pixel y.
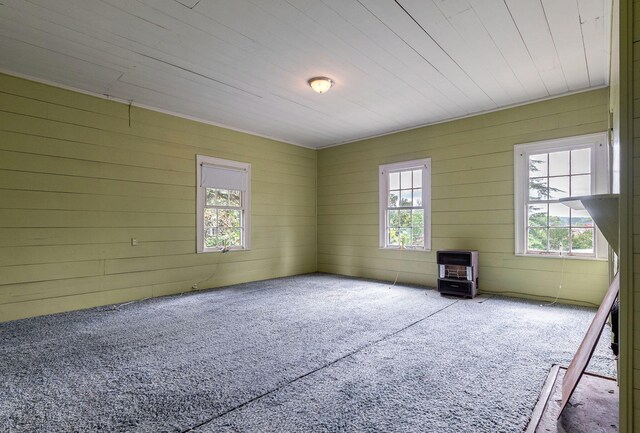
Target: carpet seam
{"type": "Point", "coordinates": [360, 349]}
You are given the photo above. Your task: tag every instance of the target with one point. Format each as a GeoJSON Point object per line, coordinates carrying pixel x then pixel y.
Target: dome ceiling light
{"type": "Point", "coordinates": [320, 84]}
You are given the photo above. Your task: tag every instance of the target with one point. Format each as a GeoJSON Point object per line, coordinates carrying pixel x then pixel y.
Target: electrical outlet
{"type": "Point", "coordinates": [134, 242]}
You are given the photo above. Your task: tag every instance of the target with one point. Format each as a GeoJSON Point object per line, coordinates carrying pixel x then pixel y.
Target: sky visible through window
{"type": "Point", "coordinates": [405, 213]}
{"type": "Point", "coordinates": [551, 226]}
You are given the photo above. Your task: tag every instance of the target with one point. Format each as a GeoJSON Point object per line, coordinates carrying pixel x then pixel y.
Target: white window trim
{"type": "Point", "coordinates": [599, 184]}
{"type": "Point", "coordinates": [383, 171]}
{"type": "Point", "coordinates": [200, 201]}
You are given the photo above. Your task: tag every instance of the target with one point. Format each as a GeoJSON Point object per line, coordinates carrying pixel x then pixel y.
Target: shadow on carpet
{"type": "Point", "coordinates": [312, 353]}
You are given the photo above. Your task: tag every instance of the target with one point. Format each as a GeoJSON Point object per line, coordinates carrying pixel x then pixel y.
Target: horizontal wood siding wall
{"type": "Point", "coordinates": [80, 176]}
{"type": "Point", "coordinates": [472, 200]}
{"type": "Point", "coordinates": [632, 168]}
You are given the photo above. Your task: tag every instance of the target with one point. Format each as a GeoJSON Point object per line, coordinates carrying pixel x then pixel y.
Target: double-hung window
{"type": "Point", "coordinates": [547, 172]}
{"type": "Point", "coordinates": [223, 204]}
{"type": "Point", "coordinates": [405, 205]}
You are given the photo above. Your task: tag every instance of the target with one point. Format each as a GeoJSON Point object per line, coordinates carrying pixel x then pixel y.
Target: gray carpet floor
{"type": "Point", "coordinates": [312, 353]}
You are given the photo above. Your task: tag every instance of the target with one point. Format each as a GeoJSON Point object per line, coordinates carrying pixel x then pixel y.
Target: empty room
{"type": "Point", "coordinates": [319, 216]}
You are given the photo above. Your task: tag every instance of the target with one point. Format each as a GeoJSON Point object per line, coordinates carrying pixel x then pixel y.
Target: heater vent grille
{"type": "Point", "coordinates": [458, 272]}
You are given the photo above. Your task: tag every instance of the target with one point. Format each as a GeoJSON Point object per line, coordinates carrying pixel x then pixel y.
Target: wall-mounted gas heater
{"type": "Point", "coordinates": [458, 272]}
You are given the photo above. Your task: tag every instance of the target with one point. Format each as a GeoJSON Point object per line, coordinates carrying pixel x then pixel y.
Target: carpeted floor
{"type": "Point", "coordinates": [312, 353]}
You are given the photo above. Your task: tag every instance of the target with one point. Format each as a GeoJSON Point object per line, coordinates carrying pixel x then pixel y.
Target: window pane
{"type": "Point", "coordinates": [580, 185]}
{"type": "Point", "coordinates": [405, 218]}
{"type": "Point", "coordinates": [537, 239]}
{"type": "Point", "coordinates": [581, 218]}
{"type": "Point", "coordinates": [558, 215]}
{"type": "Point", "coordinates": [538, 165]}
{"type": "Point", "coordinates": [581, 161]}
{"type": "Point", "coordinates": [417, 218]}
{"type": "Point", "coordinates": [210, 218]}
{"type": "Point", "coordinates": [394, 219]}
{"type": "Point", "coordinates": [234, 237]}
{"type": "Point", "coordinates": [405, 236]}
{"type": "Point", "coordinates": [559, 239]}
{"type": "Point", "coordinates": [211, 239]}
{"type": "Point", "coordinates": [558, 187]}
{"type": "Point", "coordinates": [236, 218]}
{"type": "Point", "coordinates": [405, 179]}
{"type": "Point", "coordinates": [228, 238]}
{"type": "Point", "coordinates": [209, 194]}
{"type": "Point", "coordinates": [229, 218]}
{"type": "Point", "coordinates": [220, 197]}
{"type": "Point", "coordinates": [394, 180]}
{"type": "Point", "coordinates": [582, 240]}
{"type": "Point", "coordinates": [537, 215]}
{"type": "Point", "coordinates": [393, 198]}
{"type": "Point", "coordinates": [216, 197]}
{"type": "Point", "coordinates": [406, 198]}
{"type": "Point", "coordinates": [417, 178]}
{"type": "Point", "coordinates": [538, 189]}
{"type": "Point", "coordinates": [417, 197]}
{"type": "Point", "coordinates": [234, 198]}
{"type": "Point", "coordinates": [220, 237]}
{"type": "Point", "coordinates": [393, 237]}
{"type": "Point", "coordinates": [417, 239]}
{"type": "Point", "coordinates": [559, 163]}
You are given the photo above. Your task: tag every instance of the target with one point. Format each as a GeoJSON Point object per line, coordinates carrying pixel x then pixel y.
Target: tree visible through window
{"type": "Point", "coordinates": [405, 205]}
{"type": "Point", "coordinates": [547, 172]}
{"type": "Point", "coordinates": [223, 218]}
{"type": "Point", "coordinates": [223, 205]}
{"type": "Point", "coordinates": [552, 226]}
{"type": "Point", "coordinates": [405, 216]}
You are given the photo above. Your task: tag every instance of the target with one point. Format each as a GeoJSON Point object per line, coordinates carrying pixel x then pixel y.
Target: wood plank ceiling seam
{"type": "Point", "coordinates": [244, 64]}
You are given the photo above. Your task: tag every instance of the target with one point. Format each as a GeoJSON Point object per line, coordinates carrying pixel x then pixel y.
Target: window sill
{"type": "Point", "coordinates": [557, 256]}
{"type": "Point", "coordinates": [216, 250]}
{"type": "Point", "coordinates": [404, 249]}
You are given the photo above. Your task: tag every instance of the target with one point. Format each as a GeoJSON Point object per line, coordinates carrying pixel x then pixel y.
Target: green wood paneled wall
{"type": "Point", "coordinates": [472, 200]}
{"type": "Point", "coordinates": [80, 176]}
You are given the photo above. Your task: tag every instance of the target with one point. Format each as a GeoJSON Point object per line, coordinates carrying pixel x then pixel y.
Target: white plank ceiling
{"type": "Point", "coordinates": [244, 64]}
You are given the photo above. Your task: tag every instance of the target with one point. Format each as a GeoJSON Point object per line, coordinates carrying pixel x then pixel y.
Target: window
{"type": "Point", "coordinates": [545, 173]}
{"type": "Point", "coordinates": [405, 205]}
{"type": "Point", "coordinates": [223, 204]}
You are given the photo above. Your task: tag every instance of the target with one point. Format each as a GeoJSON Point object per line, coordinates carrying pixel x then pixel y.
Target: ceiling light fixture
{"type": "Point", "coordinates": [320, 84]}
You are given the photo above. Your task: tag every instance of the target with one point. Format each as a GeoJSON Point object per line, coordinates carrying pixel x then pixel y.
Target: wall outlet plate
{"type": "Point", "coordinates": [134, 242]}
